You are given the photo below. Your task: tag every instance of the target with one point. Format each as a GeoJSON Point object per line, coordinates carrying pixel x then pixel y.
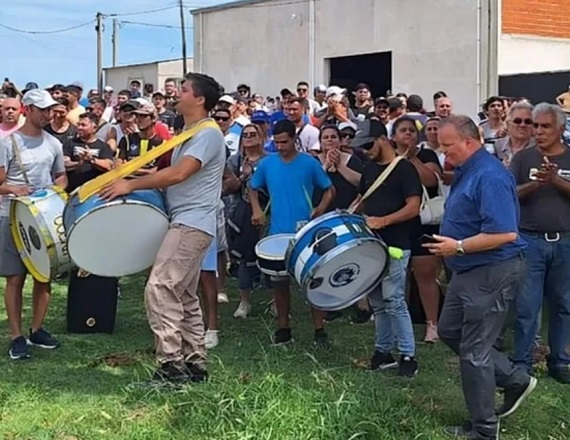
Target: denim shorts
{"type": "Point", "coordinates": [210, 261]}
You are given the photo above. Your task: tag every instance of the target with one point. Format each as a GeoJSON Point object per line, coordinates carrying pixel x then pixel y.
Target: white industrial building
{"type": "Point", "coordinates": [406, 46]}
{"type": "Point", "coordinates": [154, 73]}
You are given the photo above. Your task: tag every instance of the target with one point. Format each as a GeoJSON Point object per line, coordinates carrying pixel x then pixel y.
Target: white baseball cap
{"type": "Point", "coordinates": [108, 89]}
{"type": "Point", "coordinates": [227, 99]}
{"type": "Point", "coordinates": [39, 98]}
{"type": "Point", "coordinates": [335, 91]}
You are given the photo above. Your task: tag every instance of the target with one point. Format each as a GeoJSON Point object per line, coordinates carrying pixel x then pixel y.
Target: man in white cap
{"type": "Point", "coordinates": [34, 160]}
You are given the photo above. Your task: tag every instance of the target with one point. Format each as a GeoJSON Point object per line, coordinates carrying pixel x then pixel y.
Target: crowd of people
{"type": "Point", "coordinates": [276, 163]}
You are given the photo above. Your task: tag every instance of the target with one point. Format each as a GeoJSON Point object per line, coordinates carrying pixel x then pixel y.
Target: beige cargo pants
{"type": "Point", "coordinates": [171, 298]}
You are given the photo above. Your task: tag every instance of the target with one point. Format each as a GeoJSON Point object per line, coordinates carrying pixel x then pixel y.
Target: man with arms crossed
{"type": "Point", "coordinates": [193, 185]}
{"type": "Point", "coordinates": [480, 241]}
{"type": "Point", "coordinates": [37, 164]}
{"type": "Point", "coordinates": [290, 177]}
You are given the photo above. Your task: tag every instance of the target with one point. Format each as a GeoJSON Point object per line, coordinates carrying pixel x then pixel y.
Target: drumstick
{"type": "Point", "coordinates": [94, 186]}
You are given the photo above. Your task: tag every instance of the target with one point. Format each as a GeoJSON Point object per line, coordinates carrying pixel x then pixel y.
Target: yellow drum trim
{"type": "Point", "coordinates": [50, 245]}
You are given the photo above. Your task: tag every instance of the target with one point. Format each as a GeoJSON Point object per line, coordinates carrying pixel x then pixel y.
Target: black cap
{"type": "Point", "coordinates": [129, 106]}
{"type": "Point", "coordinates": [368, 131]}
{"type": "Point", "coordinates": [381, 100]}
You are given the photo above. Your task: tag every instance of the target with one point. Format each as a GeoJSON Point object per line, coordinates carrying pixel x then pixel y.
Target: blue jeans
{"type": "Point", "coordinates": [547, 276]}
{"type": "Point", "coordinates": [391, 316]}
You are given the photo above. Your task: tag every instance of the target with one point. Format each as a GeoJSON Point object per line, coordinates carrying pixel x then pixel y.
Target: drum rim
{"type": "Point", "coordinates": [50, 244]}
{"type": "Point", "coordinates": [336, 252]}
{"type": "Point", "coordinates": [269, 257]}
{"type": "Point", "coordinates": [272, 272]}
{"type": "Point", "coordinates": [115, 202]}
{"type": "Point", "coordinates": [310, 224]}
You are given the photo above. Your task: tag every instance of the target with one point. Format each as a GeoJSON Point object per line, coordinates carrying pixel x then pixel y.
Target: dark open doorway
{"type": "Point", "coordinates": [374, 69]}
{"type": "Point", "coordinates": [538, 87]}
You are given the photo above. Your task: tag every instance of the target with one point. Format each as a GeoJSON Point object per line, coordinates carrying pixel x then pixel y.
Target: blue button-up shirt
{"type": "Point", "coordinates": [483, 199]}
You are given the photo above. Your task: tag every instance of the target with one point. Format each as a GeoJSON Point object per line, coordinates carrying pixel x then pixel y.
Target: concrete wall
{"type": "Point", "coordinates": [524, 54]}
{"type": "Point", "coordinates": [434, 44]}
{"type": "Point", "coordinates": [154, 73]}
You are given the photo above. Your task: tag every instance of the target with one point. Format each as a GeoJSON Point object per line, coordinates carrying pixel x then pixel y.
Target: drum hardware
{"type": "Point", "coordinates": [324, 240]}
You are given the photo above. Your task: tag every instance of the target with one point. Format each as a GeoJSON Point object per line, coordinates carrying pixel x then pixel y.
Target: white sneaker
{"type": "Point", "coordinates": [211, 339]}
{"type": "Point", "coordinates": [223, 298]}
{"type": "Point", "coordinates": [243, 310]}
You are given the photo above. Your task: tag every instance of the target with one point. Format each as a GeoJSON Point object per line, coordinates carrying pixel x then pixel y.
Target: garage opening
{"type": "Point", "coordinates": [374, 69]}
{"type": "Point", "coordinates": [538, 87]}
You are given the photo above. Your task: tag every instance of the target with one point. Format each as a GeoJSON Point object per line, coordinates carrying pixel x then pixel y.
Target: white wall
{"type": "Point", "coordinates": [522, 54]}
{"type": "Point", "coordinates": [120, 77]}
{"type": "Point", "coordinates": [172, 69]}
{"type": "Point", "coordinates": [433, 42]}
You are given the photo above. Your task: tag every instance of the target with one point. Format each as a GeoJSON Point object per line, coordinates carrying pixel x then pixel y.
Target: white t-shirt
{"type": "Point", "coordinates": [42, 158]}
{"type": "Point", "coordinates": [308, 136]}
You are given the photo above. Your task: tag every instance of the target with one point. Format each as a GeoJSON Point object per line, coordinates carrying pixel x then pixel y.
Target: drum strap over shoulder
{"type": "Point", "coordinates": [379, 181]}
{"type": "Point", "coordinates": [18, 157]}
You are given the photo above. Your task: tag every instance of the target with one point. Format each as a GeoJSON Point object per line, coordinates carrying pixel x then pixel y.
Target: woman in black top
{"type": "Point", "coordinates": [425, 266]}
{"type": "Point", "coordinates": [343, 169]}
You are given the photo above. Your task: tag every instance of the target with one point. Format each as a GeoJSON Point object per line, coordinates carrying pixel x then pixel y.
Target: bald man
{"type": "Point", "coordinates": [11, 111]}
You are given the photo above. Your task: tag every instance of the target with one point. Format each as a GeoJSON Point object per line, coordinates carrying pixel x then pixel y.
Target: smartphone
{"type": "Point", "coordinates": [425, 238]}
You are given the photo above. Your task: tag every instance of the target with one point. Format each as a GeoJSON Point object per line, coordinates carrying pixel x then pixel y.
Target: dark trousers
{"type": "Point", "coordinates": [474, 313]}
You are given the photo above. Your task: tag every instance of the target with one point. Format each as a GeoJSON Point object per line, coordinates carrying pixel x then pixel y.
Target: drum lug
{"type": "Point", "coordinates": [324, 241]}
{"type": "Point", "coordinates": [316, 283]}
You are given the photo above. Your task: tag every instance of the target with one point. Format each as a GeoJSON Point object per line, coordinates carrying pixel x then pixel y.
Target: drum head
{"type": "Point", "coordinates": [273, 247]}
{"type": "Point", "coordinates": [345, 276]}
{"type": "Point", "coordinates": [117, 240]}
{"type": "Point", "coordinates": [33, 249]}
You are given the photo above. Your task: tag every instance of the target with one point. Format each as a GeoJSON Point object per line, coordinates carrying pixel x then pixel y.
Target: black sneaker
{"type": "Point", "coordinates": [322, 339]}
{"type": "Point", "coordinates": [41, 338]}
{"type": "Point", "coordinates": [467, 432]}
{"type": "Point", "coordinates": [19, 349]}
{"type": "Point", "coordinates": [282, 336]}
{"type": "Point", "coordinates": [361, 316]}
{"type": "Point", "coordinates": [331, 316]}
{"type": "Point", "coordinates": [560, 375]}
{"type": "Point", "coordinates": [195, 373]}
{"type": "Point", "coordinates": [408, 367]}
{"type": "Point", "coordinates": [170, 372]}
{"type": "Point", "coordinates": [515, 396]}
{"type": "Point", "coordinates": [382, 361]}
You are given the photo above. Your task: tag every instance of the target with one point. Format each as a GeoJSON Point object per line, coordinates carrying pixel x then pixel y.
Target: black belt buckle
{"type": "Point", "coordinates": [552, 237]}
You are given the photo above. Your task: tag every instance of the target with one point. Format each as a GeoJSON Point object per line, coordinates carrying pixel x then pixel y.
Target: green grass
{"type": "Point", "coordinates": [256, 392]}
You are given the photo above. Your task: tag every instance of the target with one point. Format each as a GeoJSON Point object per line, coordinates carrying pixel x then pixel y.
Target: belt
{"type": "Point", "coordinates": [550, 237]}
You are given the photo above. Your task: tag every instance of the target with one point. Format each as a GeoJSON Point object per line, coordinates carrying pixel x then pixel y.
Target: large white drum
{"type": "Point", "coordinates": [37, 228]}
{"type": "Point", "coordinates": [117, 238]}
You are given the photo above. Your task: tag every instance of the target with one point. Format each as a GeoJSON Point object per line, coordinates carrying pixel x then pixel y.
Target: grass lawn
{"type": "Point", "coordinates": [84, 390]}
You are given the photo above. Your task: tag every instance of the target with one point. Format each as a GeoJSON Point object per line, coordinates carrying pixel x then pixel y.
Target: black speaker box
{"type": "Point", "coordinates": [91, 303]}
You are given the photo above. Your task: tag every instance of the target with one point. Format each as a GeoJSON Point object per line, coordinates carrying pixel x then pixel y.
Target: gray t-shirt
{"type": "Point", "coordinates": [193, 202]}
{"type": "Point", "coordinates": [42, 157]}
{"type": "Point", "coordinates": [546, 209]}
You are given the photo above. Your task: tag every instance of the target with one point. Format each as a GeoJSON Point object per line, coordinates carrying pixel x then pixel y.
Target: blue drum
{"type": "Point", "coordinates": [116, 238]}
{"type": "Point", "coordinates": [336, 260]}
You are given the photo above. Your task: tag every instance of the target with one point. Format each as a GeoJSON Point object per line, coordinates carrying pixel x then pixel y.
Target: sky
{"type": "Point", "coordinates": [65, 57]}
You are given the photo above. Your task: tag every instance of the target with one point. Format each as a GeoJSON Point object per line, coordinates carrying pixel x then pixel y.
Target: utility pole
{"type": "Point", "coordinates": [183, 33]}
{"type": "Point", "coordinates": [99, 29]}
{"type": "Point", "coordinates": [115, 40]}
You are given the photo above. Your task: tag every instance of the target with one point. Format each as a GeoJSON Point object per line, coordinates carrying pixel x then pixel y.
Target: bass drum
{"type": "Point", "coordinates": [37, 228]}
{"type": "Point", "coordinates": [336, 260]}
{"type": "Point", "coordinates": [117, 238]}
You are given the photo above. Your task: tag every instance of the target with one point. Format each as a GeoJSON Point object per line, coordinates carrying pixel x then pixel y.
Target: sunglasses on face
{"type": "Point", "coordinates": [249, 135]}
{"type": "Point", "coordinates": [302, 90]}
{"type": "Point", "coordinates": [242, 92]}
{"type": "Point", "coordinates": [347, 136]}
{"type": "Point", "coordinates": [221, 118]}
{"type": "Point", "coordinates": [519, 121]}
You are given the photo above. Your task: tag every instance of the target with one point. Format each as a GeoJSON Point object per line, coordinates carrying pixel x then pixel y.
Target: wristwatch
{"type": "Point", "coordinates": [459, 250]}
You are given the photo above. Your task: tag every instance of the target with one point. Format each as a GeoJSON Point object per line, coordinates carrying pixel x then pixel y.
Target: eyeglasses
{"type": "Point", "coordinates": [221, 118]}
{"type": "Point", "coordinates": [248, 135]}
{"type": "Point", "coordinates": [519, 121]}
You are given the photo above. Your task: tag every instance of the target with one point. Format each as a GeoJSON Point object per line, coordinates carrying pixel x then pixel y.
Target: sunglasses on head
{"type": "Point", "coordinates": [221, 118]}
{"type": "Point", "coordinates": [519, 121]}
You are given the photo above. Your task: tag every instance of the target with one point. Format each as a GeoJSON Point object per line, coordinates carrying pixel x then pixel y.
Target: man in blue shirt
{"type": "Point", "coordinates": [289, 178]}
{"type": "Point", "coordinates": [480, 242]}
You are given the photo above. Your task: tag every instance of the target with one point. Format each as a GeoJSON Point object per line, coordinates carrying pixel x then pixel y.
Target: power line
{"type": "Point", "coordinates": [149, 11]}
{"type": "Point", "coordinates": [22, 31]}
{"type": "Point", "coordinates": [137, 23]}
